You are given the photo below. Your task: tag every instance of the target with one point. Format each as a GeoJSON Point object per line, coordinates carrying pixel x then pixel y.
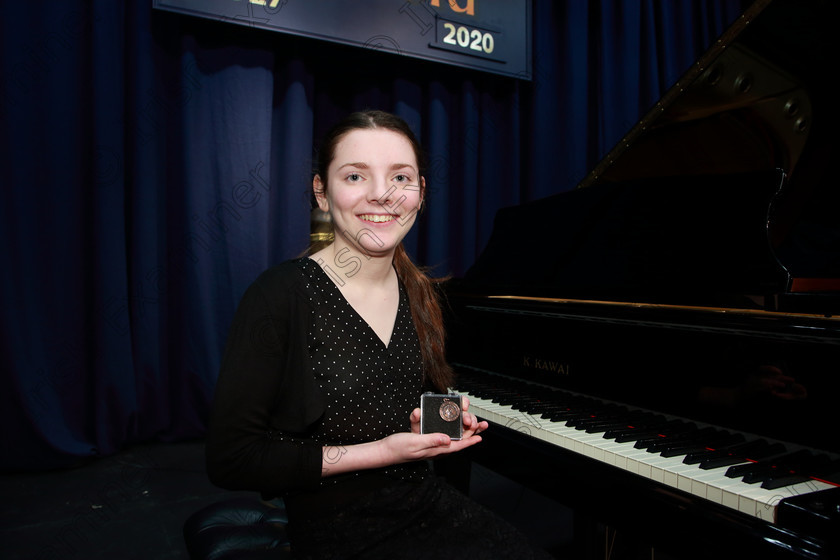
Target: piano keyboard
{"type": "Point", "coordinates": [711, 484]}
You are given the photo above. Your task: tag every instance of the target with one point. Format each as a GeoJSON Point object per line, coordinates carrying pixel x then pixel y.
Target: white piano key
{"type": "Point", "coordinates": [712, 485]}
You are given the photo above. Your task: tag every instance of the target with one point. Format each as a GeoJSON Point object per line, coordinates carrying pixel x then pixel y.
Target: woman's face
{"type": "Point", "coordinates": [373, 190]}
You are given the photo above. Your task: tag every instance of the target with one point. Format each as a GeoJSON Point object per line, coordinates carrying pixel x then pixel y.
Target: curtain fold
{"type": "Point", "coordinates": [156, 163]}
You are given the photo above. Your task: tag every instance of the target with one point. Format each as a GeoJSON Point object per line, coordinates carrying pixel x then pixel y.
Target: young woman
{"type": "Point", "coordinates": [317, 398]}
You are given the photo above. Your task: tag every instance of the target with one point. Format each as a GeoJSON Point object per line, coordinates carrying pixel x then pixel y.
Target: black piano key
{"type": "Point", "coordinates": [517, 399]}
{"type": "Point", "coordinates": [606, 426]}
{"type": "Point", "coordinates": [579, 416]}
{"type": "Point", "coordinates": [690, 437]}
{"type": "Point", "coordinates": [650, 425]}
{"type": "Point", "coordinates": [635, 434]}
{"type": "Point", "coordinates": [809, 466]}
{"type": "Point", "coordinates": [576, 407]}
{"type": "Point", "coordinates": [574, 415]}
{"type": "Point", "coordinates": [759, 470]}
{"type": "Point", "coordinates": [757, 453]}
{"type": "Point", "coordinates": [625, 431]}
{"type": "Point", "coordinates": [701, 446]}
{"type": "Point", "coordinates": [741, 450]}
{"type": "Point", "coordinates": [721, 462]}
{"type": "Point", "coordinates": [561, 414]}
{"type": "Point", "coordinates": [676, 429]}
{"type": "Point", "coordinates": [579, 419]}
{"type": "Point", "coordinates": [601, 416]}
{"type": "Point", "coordinates": [540, 404]}
{"type": "Point", "coordinates": [718, 438]}
{"type": "Point", "coordinates": [600, 420]}
{"type": "Point", "coordinates": [626, 436]}
{"type": "Point", "coordinates": [548, 413]}
{"type": "Point", "coordinates": [755, 476]}
{"type": "Point", "coordinates": [739, 445]}
{"type": "Point", "coordinates": [561, 406]}
{"type": "Point", "coordinates": [782, 481]}
{"type": "Point", "coordinates": [504, 398]}
{"type": "Point", "coordinates": [537, 406]}
{"type": "Point", "coordinates": [522, 403]}
{"type": "Point", "coordinates": [558, 415]}
{"type": "Point", "coordinates": [678, 450]}
{"type": "Point", "coordinates": [649, 441]}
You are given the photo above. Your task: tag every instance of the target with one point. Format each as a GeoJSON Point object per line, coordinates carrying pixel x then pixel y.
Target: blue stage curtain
{"type": "Point", "coordinates": [154, 164]}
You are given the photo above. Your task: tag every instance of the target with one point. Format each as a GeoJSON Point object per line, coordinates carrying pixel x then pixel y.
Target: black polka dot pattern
{"type": "Point", "coordinates": [371, 388]}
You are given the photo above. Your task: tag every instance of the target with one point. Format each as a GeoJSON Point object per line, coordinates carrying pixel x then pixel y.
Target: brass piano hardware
{"type": "Point", "coordinates": [662, 306]}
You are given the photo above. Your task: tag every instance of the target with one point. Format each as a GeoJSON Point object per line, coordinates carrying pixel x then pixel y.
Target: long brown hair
{"type": "Point", "coordinates": [422, 293]}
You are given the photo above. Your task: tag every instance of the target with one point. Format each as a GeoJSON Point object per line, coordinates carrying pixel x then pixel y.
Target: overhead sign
{"type": "Point", "coordinates": [487, 35]}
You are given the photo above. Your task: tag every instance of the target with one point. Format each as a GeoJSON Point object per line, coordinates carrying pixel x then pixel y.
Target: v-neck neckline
{"type": "Point", "coordinates": [326, 278]}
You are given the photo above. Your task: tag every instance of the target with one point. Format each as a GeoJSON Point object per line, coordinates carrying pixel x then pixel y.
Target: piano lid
{"type": "Point", "coordinates": [720, 195]}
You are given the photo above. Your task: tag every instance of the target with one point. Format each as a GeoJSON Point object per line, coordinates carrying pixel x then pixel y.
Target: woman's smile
{"type": "Point", "coordinates": [378, 218]}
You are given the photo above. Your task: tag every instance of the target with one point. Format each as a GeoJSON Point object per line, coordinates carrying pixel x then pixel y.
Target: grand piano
{"type": "Point", "coordinates": [659, 348]}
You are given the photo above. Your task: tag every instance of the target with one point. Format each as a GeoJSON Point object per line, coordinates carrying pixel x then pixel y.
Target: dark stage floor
{"type": "Point", "coordinates": [132, 506]}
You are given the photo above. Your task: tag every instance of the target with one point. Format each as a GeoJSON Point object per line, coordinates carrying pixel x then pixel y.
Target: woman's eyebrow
{"type": "Point", "coordinates": [397, 166]}
{"type": "Point", "coordinates": [363, 165]}
{"type": "Point", "coordinates": [357, 164]}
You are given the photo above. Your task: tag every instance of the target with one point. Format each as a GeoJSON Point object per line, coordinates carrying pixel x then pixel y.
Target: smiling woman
{"type": "Point", "coordinates": [348, 153]}
{"type": "Point", "coordinates": [317, 398]}
{"type": "Point", "coordinates": [372, 190]}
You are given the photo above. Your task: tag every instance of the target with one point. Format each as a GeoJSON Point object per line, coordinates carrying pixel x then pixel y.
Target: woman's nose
{"type": "Point", "coordinates": [382, 191]}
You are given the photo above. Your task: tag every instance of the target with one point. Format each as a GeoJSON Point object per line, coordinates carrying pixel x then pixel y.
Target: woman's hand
{"type": "Point", "coordinates": [431, 445]}
{"type": "Point", "coordinates": [471, 424]}
{"type": "Point", "coordinates": [402, 447]}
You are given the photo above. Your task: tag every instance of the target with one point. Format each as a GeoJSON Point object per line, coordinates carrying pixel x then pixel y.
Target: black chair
{"type": "Point", "coordinates": [240, 528]}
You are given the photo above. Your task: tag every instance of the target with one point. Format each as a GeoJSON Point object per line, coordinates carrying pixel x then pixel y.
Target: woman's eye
{"type": "Point", "coordinates": [401, 178]}
{"type": "Point", "coordinates": [354, 177]}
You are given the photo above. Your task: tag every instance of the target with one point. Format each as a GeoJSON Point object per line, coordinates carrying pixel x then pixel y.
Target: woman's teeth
{"type": "Point", "coordinates": [376, 217]}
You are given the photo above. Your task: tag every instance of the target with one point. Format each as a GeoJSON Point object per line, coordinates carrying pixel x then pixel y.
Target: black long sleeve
{"type": "Point", "coordinates": [266, 396]}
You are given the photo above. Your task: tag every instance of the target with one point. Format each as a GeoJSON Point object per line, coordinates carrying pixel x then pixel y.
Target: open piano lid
{"type": "Point", "coordinates": [722, 195]}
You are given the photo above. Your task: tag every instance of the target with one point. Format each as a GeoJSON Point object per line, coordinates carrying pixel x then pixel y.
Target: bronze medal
{"type": "Point", "coordinates": [449, 411]}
